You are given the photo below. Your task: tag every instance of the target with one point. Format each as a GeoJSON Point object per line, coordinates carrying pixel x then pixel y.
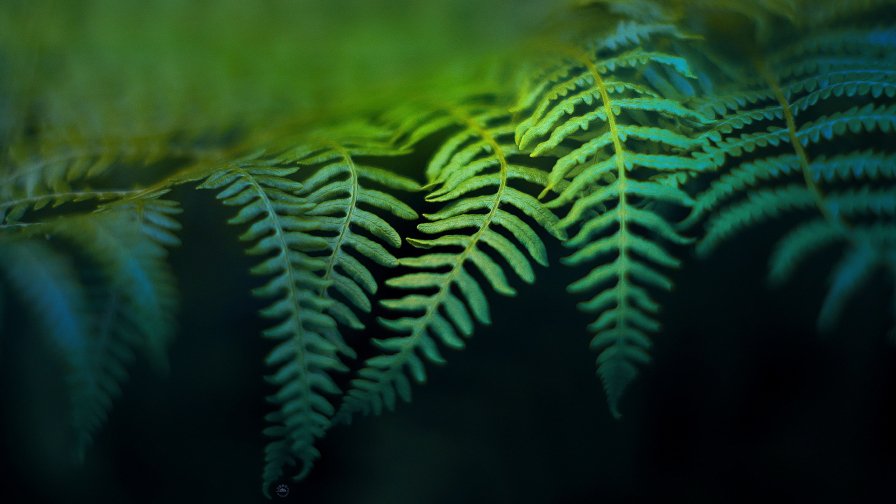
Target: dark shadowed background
{"type": "Point", "coordinates": [743, 400]}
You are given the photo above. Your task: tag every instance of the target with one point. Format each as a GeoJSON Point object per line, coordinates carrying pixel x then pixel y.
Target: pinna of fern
{"type": "Point", "coordinates": [613, 114]}
{"type": "Point", "coordinates": [809, 137]}
{"type": "Point", "coordinates": [474, 175]}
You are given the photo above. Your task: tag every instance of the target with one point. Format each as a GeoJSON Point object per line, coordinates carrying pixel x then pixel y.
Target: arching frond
{"type": "Point", "coordinates": [619, 129]}
{"type": "Point", "coordinates": [350, 202]}
{"type": "Point", "coordinates": [322, 235]}
{"type": "Point", "coordinates": [478, 228]}
{"type": "Point", "coordinates": [13, 210]}
{"type": "Point", "coordinates": [304, 357]}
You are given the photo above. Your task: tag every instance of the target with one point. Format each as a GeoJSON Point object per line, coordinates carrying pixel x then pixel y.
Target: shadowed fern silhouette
{"type": "Point", "coordinates": [122, 302]}
{"type": "Point", "coordinates": [806, 139]}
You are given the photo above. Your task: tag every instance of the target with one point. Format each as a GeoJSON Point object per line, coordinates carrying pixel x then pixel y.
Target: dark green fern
{"type": "Point", "coordinates": [775, 162]}
{"type": "Point", "coordinates": [316, 238]}
{"type": "Point", "coordinates": [124, 300]}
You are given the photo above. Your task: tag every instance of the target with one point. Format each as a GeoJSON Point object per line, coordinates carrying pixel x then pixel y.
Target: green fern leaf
{"type": "Point", "coordinates": [138, 297]}
{"type": "Point", "coordinates": [48, 283]}
{"type": "Point", "coordinates": [304, 357]}
{"type": "Point", "coordinates": [349, 213]}
{"type": "Point", "coordinates": [63, 158]}
{"type": "Point", "coordinates": [468, 235]}
{"type": "Point", "coordinates": [848, 276]}
{"type": "Point", "coordinates": [12, 210]}
{"type": "Point", "coordinates": [605, 130]}
{"type": "Point", "coordinates": [798, 244]}
{"type": "Point", "coordinates": [842, 80]}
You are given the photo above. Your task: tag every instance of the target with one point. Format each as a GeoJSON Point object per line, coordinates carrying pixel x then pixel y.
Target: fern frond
{"type": "Point", "coordinates": [874, 42]}
{"type": "Point", "coordinates": [136, 298]}
{"type": "Point", "coordinates": [63, 162]}
{"type": "Point", "coordinates": [866, 165]}
{"type": "Point", "coordinates": [473, 174]}
{"type": "Point", "coordinates": [758, 206]}
{"type": "Point", "coordinates": [848, 276]}
{"type": "Point", "coordinates": [865, 119]}
{"type": "Point", "coordinates": [304, 356]}
{"type": "Point", "coordinates": [128, 240]}
{"type": "Point", "coordinates": [634, 33]}
{"type": "Point", "coordinates": [823, 12]}
{"type": "Point", "coordinates": [618, 133]}
{"type": "Point", "coordinates": [349, 211]}
{"type": "Point", "coordinates": [123, 301]}
{"type": "Point", "coordinates": [842, 80]}
{"type": "Point", "coordinates": [12, 210]}
{"type": "Point", "coordinates": [798, 244]}
{"type": "Point", "coordinates": [48, 283]}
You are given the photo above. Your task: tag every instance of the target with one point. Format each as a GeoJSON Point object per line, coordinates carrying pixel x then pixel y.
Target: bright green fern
{"type": "Point", "coordinates": [473, 175]}
{"type": "Point", "coordinates": [613, 118]}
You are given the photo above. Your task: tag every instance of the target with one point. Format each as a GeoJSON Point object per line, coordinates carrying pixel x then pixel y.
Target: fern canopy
{"type": "Point", "coordinates": [385, 202]}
